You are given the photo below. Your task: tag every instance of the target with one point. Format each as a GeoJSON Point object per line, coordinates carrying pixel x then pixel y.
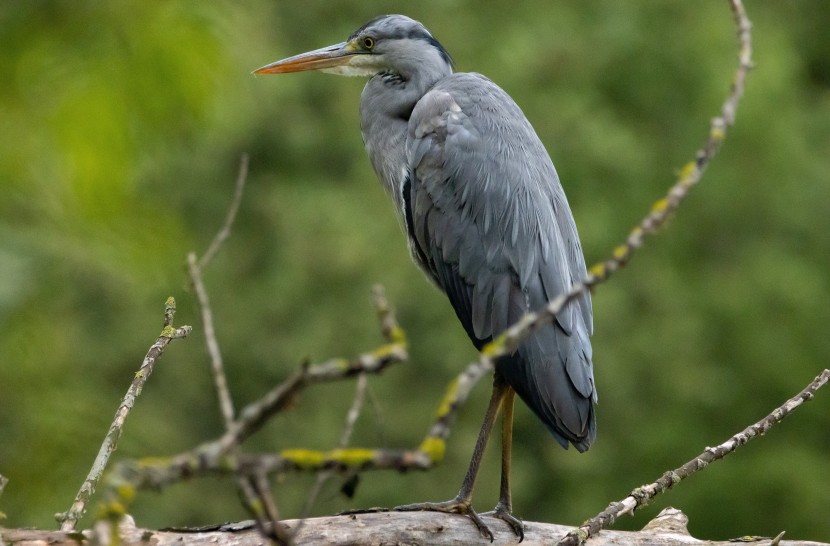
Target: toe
{"type": "Point", "coordinates": [455, 506]}
{"type": "Point", "coordinates": [506, 516]}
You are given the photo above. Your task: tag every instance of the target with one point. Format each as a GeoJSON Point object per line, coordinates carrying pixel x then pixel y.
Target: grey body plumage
{"type": "Point", "coordinates": [486, 218]}
{"type": "Point", "coordinates": [484, 212]}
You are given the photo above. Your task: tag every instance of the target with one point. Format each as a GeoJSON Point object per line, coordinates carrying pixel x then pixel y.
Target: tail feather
{"type": "Point", "coordinates": [552, 373]}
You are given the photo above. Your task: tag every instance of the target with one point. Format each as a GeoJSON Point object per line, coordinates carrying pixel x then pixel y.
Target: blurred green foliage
{"type": "Point", "coordinates": [121, 128]}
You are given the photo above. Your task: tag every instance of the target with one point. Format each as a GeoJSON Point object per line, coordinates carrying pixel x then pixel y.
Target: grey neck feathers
{"type": "Point", "coordinates": [385, 106]}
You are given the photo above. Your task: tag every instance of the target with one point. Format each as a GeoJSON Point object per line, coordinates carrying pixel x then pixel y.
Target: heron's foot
{"type": "Point", "coordinates": [454, 506]}
{"type": "Point", "coordinates": [505, 514]}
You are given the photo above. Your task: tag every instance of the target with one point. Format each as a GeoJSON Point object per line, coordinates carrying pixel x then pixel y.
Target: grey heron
{"type": "Point", "coordinates": [486, 219]}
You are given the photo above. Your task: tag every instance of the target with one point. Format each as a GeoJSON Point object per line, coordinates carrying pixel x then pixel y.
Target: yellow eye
{"type": "Point", "coordinates": [368, 42]}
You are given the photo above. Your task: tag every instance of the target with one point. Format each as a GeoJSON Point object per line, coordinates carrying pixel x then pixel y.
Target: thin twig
{"type": "Point", "coordinates": [643, 495]}
{"type": "Point", "coordinates": [255, 491]}
{"type": "Point", "coordinates": [390, 330]}
{"type": "Point", "coordinates": [220, 381]}
{"type": "Point", "coordinates": [269, 507]}
{"type": "Point", "coordinates": [218, 457]}
{"type": "Point", "coordinates": [660, 212]}
{"type": "Point", "coordinates": [345, 436]}
{"type": "Point", "coordinates": [258, 500]}
{"type": "Point", "coordinates": [195, 268]}
{"type": "Point", "coordinates": [354, 411]}
{"type": "Point", "coordinates": [70, 518]}
{"type": "Point", "coordinates": [456, 393]}
{"type": "Point", "coordinates": [225, 230]}
{"type": "Point", "coordinates": [389, 327]}
{"type": "Point", "coordinates": [253, 416]}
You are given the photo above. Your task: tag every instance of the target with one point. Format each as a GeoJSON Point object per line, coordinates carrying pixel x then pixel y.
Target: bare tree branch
{"type": "Point", "coordinates": [259, 501]}
{"type": "Point", "coordinates": [351, 418]}
{"type": "Point", "coordinates": [220, 381]}
{"type": "Point", "coordinates": [643, 495]}
{"type": "Point", "coordinates": [3, 482]}
{"type": "Point", "coordinates": [225, 231]}
{"type": "Point", "coordinates": [254, 489]}
{"type": "Point", "coordinates": [69, 518]}
{"type": "Point", "coordinates": [218, 457]}
{"type": "Point", "coordinates": [195, 268]}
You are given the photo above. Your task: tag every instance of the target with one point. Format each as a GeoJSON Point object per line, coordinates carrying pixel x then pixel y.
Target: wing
{"type": "Point", "coordinates": [488, 220]}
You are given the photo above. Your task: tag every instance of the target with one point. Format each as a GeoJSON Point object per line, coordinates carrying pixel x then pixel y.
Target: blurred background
{"type": "Point", "coordinates": [121, 129]}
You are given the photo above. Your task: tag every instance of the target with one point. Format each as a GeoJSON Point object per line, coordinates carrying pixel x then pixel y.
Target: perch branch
{"type": "Point", "coordinates": [667, 529]}
{"type": "Point", "coordinates": [69, 518]}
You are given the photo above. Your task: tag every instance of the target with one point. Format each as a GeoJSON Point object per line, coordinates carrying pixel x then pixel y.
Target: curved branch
{"type": "Point", "coordinates": [643, 495]}
{"type": "Point", "coordinates": [660, 211]}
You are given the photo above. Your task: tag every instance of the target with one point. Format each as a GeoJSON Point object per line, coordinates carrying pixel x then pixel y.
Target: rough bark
{"type": "Point", "coordinates": [387, 528]}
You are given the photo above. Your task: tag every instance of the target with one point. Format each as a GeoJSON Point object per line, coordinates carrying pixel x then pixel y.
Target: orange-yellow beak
{"type": "Point", "coordinates": [330, 57]}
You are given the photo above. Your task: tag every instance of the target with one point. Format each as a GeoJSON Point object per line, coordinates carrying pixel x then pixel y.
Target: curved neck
{"type": "Point", "coordinates": [385, 106]}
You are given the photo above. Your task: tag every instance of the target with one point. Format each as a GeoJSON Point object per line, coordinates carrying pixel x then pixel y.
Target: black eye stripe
{"type": "Point", "coordinates": [390, 27]}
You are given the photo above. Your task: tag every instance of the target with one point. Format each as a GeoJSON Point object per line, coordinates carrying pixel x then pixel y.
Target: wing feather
{"type": "Point", "coordinates": [494, 226]}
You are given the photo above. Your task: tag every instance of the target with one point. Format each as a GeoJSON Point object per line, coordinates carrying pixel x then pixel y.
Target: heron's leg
{"type": "Point", "coordinates": [462, 503]}
{"type": "Point", "coordinates": [500, 390]}
{"type": "Point", "coordinates": [504, 508]}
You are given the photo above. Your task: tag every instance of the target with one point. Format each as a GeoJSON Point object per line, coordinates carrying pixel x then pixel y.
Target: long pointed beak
{"type": "Point", "coordinates": [326, 57]}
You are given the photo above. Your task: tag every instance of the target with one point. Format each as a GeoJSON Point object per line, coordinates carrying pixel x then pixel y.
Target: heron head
{"type": "Point", "coordinates": [390, 43]}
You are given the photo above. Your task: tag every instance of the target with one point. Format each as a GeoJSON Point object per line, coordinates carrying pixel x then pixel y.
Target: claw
{"type": "Point", "coordinates": [455, 506]}
{"type": "Point", "coordinates": [503, 513]}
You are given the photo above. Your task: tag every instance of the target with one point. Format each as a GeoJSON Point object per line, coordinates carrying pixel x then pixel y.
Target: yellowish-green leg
{"type": "Point", "coordinates": [504, 508]}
